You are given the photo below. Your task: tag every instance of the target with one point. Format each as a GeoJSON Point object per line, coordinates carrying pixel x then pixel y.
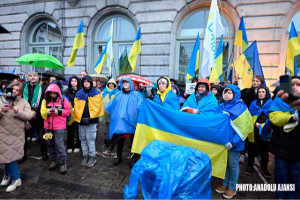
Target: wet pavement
{"type": "Point", "coordinates": [102, 181]}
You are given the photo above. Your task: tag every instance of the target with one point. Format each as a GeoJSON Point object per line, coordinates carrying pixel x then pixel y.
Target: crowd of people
{"type": "Point", "coordinates": [48, 112]}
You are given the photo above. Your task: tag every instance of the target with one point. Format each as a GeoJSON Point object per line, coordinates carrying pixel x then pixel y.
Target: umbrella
{"type": "Point", "coordinates": [3, 30]}
{"type": "Point", "coordinates": [40, 60]}
{"type": "Point", "coordinates": [55, 74]}
{"type": "Point", "coordinates": [136, 78]}
{"type": "Point", "coordinates": [99, 77]}
{"type": "Point", "coordinates": [4, 74]}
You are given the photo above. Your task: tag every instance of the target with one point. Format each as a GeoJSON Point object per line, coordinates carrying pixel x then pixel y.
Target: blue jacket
{"type": "Point", "coordinates": [123, 110]}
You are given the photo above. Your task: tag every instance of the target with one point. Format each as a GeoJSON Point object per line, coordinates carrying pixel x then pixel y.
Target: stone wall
{"type": "Point", "coordinates": [266, 21]}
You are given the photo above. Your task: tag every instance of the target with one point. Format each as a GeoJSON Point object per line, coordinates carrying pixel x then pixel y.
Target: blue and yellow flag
{"type": "Point", "coordinates": [248, 65]}
{"type": "Point", "coordinates": [107, 54]}
{"type": "Point", "coordinates": [241, 36]}
{"type": "Point", "coordinates": [217, 71]}
{"type": "Point", "coordinates": [135, 50]}
{"type": "Point", "coordinates": [78, 43]}
{"type": "Point", "coordinates": [205, 132]}
{"type": "Point", "coordinates": [293, 49]}
{"type": "Point", "coordinates": [194, 61]}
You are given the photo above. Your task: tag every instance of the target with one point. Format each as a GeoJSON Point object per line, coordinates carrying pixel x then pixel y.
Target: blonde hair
{"type": "Point", "coordinates": [20, 85]}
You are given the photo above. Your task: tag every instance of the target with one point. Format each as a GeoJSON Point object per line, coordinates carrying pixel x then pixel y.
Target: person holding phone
{"type": "Point", "coordinates": [285, 140]}
{"type": "Point", "coordinates": [55, 109]}
{"type": "Point", "coordinates": [15, 111]}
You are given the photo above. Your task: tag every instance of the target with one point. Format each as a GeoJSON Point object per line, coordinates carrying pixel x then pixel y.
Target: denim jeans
{"type": "Point", "coordinates": [12, 170]}
{"type": "Point", "coordinates": [87, 136]}
{"type": "Point", "coordinates": [289, 173]}
{"type": "Point", "coordinates": [232, 169]}
{"type": "Point", "coordinates": [57, 147]}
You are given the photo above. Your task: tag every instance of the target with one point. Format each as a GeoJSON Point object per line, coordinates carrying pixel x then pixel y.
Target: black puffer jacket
{"type": "Point", "coordinates": [70, 92]}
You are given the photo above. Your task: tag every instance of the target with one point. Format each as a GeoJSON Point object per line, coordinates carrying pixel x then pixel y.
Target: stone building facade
{"type": "Point", "coordinates": [168, 31]}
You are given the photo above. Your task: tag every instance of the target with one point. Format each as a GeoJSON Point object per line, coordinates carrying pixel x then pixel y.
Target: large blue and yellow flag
{"type": "Point", "coordinates": [135, 50]}
{"type": "Point", "coordinates": [207, 133]}
{"type": "Point", "coordinates": [78, 43]}
{"type": "Point", "coordinates": [241, 36]}
{"type": "Point", "coordinates": [217, 71]}
{"type": "Point", "coordinates": [248, 65]}
{"type": "Point", "coordinates": [107, 54]}
{"type": "Point", "coordinates": [194, 61]}
{"type": "Point", "coordinates": [293, 49]}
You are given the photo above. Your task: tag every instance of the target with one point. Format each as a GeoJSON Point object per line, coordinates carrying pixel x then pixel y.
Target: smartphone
{"type": "Point", "coordinates": [286, 85]}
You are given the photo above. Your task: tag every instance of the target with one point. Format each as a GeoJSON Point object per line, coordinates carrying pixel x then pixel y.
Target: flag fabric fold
{"type": "Point", "coordinates": [217, 71]}
{"type": "Point", "coordinates": [213, 30]}
{"type": "Point", "coordinates": [135, 50]}
{"type": "Point", "coordinates": [241, 36]}
{"type": "Point", "coordinates": [107, 54]}
{"type": "Point", "coordinates": [194, 61]}
{"type": "Point", "coordinates": [293, 49]}
{"type": "Point", "coordinates": [78, 43]}
{"type": "Point", "coordinates": [207, 133]}
{"type": "Point", "coordinates": [124, 63]}
{"type": "Point", "coordinates": [248, 65]}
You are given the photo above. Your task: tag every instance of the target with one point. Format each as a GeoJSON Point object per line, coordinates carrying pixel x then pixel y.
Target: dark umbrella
{"type": "Point", "coordinates": [4, 74]}
{"type": "Point", "coordinates": [3, 30]}
{"type": "Point", "coordinates": [55, 74]}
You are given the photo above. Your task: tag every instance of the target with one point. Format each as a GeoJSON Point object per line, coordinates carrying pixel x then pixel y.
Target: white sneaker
{"type": "Point", "coordinates": [242, 159]}
{"type": "Point", "coordinates": [76, 150]}
{"type": "Point", "coordinates": [14, 185]}
{"type": "Point", "coordinates": [34, 139]}
{"type": "Point", "coordinates": [5, 181]}
{"type": "Point", "coordinates": [28, 138]}
{"type": "Point", "coordinates": [70, 151]}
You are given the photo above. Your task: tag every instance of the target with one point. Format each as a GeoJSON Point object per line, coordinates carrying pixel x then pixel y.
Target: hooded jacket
{"type": "Point", "coordinates": [167, 98]}
{"type": "Point", "coordinates": [181, 99]}
{"type": "Point", "coordinates": [70, 92]}
{"type": "Point", "coordinates": [123, 110]}
{"type": "Point", "coordinates": [52, 121]}
{"type": "Point", "coordinates": [88, 104]}
{"type": "Point", "coordinates": [208, 102]}
{"type": "Point", "coordinates": [107, 96]}
{"type": "Point", "coordinates": [240, 118]}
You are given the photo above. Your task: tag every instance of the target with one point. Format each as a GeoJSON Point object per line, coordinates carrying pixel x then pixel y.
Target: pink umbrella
{"type": "Point", "coordinates": [136, 78]}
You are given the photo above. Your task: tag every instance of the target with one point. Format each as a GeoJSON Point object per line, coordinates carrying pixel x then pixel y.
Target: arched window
{"type": "Point", "coordinates": [46, 38]}
{"type": "Point", "coordinates": [194, 23]}
{"type": "Point", "coordinates": [296, 20]}
{"type": "Point", "coordinates": [124, 33]}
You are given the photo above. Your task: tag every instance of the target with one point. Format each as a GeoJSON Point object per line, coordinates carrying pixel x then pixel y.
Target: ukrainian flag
{"type": "Point", "coordinates": [135, 50]}
{"type": "Point", "coordinates": [217, 71]}
{"type": "Point", "coordinates": [78, 43]}
{"type": "Point", "coordinates": [207, 133]}
{"type": "Point", "coordinates": [293, 49]}
{"type": "Point", "coordinates": [241, 36]}
{"type": "Point", "coordinates": [194, 61]}
{"type": "Point", "coordinates": [248, 65]}
{"type": "Point", "coordinates": [107, 54]}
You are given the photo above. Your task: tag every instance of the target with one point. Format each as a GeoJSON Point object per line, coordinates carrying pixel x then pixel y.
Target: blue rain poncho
{"type": "Point", "coordinates": [169, 171]}
{"type": "Point", "coordinates": [123, 110]}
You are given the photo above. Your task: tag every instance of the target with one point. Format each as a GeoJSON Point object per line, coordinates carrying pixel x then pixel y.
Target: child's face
{"type": "Point", "coordinates": [53, 94]}
{"type": "Point", "coordinates": [214, 91]}
{"type": "Point", "coordinates": [228, 95]}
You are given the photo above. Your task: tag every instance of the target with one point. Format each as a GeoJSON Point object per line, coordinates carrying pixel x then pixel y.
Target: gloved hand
{"type": "Point", "coordinates": [228, 146]}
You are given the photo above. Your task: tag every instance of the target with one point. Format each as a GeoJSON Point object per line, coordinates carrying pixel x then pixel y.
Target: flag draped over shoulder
{"type": "Point", "coordinates": [78, 43]}
{"type": "Point", "coordinates": [217, 70]}
{"type": "Point", "coordinates": [241, 36]}
{"type": "Point", "coordinates": [107, 54]}
{"type": "Point", "coordinates": [293, 49]}
{"type": "Point", "coordinates": [248, 65]}
{"type": "Point", "coordinates": [124, 63]}
{"type": "Point", "coordinates": [205, 132]}
{"type": "Point", "coordinates": [213, 30]}
{"type": "Point", "coordinates": [135, 50]}
{"type": "Point", "coordinates": [194, 61]}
